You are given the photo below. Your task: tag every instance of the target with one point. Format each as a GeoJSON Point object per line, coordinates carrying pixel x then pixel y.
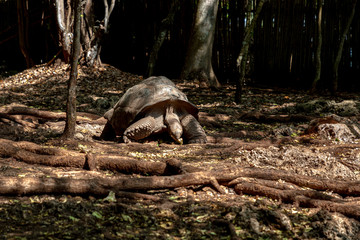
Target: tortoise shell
{"type": "Point", "coordinates": [153, 92]}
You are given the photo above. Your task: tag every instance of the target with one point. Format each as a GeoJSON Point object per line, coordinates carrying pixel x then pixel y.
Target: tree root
{"type": "Point", "coordinates": [102, 186]}
{"type": "Point", "coordinates": [12, 112]}
{"type": "Point", "coordinates": [345, 188]}
{"type": "Point", "coordinates": [34, 154]}
{"type": "Point", "coordinates": [304, 198]}
{"type": "Point", "coordinates": [97, 186]}
{"type": "Point", "coordinates": [6, 117]}
{"type": "Point", "coordinates": [283, 186]}
{"type": "Point", "coordinates": [266, 118]}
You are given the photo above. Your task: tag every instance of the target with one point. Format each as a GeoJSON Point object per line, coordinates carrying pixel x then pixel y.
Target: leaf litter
{"type": "Point", "coordinates": [197, 212]}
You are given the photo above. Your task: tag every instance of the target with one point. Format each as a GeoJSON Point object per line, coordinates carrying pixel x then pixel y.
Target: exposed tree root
{"type": "Point", "coordinates": [4, 117]}
{"type": "Point", "coordinates": [350, 188]}
{"type": "Point", "coordinates": [270, 188]}
{"type": "Point", "coordinates": [266, 118]}
{"type": "Point", "coordinates": [98, 186]}
{"type": "Point", "coordinates": [34, 154]}
{"type": "Point", "coordinates": [102, 186]}
{"type": "Point", "coordinates": [11, 111]}
{"type": "Point", "coordinates": [310, 199]}
{"type": "Point", "coordinates": [128, 165]}
{"type": "Point", "coordinates": [284, 186]}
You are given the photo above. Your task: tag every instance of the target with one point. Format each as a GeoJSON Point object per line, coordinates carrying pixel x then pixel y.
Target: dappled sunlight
{"type": "Point", "coordinates": [222, 140]}
{"type": "Point", "coordinates": [46, 87]}
{"type": "Point", "coordinates": [266, 132]}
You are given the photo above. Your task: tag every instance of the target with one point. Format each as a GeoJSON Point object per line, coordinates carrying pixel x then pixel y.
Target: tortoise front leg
{"type": "Point", "coordinates": [140, 129]}
{"type": "Point", "coordinates": [193, 132]}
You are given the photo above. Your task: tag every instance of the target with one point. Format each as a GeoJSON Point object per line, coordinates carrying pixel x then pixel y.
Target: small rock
{"type": "Point", "coordinates": [79, 136]}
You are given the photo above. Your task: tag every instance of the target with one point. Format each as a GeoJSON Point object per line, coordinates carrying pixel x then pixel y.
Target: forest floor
{"type": "Point", "coordinates": [282, 130]}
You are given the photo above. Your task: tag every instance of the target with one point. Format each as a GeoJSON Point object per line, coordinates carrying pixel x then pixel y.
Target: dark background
{"type": "Point", "coordinates": [282, 52]}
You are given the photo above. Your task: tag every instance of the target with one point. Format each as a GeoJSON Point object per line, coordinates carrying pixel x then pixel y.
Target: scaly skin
{"type": "Point", "coordinates": [153, 106]}
{"type": "Point", "coordinates": [173, 123]}
{"type": "Point", "coordinates": [140, 129]}
{"type": "Point", "coordinates": [193, 132]}
{"type": "Point", "coordinates": [153, 122]}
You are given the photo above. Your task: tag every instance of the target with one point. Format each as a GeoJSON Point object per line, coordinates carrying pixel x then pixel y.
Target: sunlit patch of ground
{"type": "Point", "coordinates": [197, 212]}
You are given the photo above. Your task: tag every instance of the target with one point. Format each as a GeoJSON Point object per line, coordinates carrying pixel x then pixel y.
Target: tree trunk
{"type": "Point", "coordinates": [92, 40]}
{"type": "Point", "coordinates": [23, 30]}
{"type": "Point", "coordinates": [164, 29]}
{"type": "Point", "coordinates": [241, 60]}
{"type": "Point", "coordinates": [87, 24]}
{"type": "Point", "coordinates": [318, 48]}
{"type": "Point", "coordinates": [91, 35]}
{"type": "Point", "coordinates": [69, 131]}
{"type": "Point", "coordinates": [64, 31]}
{"type": "Point", "coordinates": [198, 64]}
{"type": "Point", "coordinates": [340, 49]}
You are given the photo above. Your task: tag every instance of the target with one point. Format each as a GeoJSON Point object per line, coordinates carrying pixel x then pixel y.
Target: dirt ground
{"type": "Point", "coordinates": [274, 129]}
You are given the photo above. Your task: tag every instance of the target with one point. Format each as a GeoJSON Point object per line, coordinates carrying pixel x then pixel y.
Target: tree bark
{"type": "Point", "coordinates": [340, 49]}
{"type": "Point", "coordinates": [303, 198]}
{"type": "Point", "coordinates": [23, 30]}
{"type": "Point", "coordinates": [64, 27]}
{"type": "Point", "coordinates": [254, 181]}
{"type": "Point", "coordinates": [92, 40]}
{"type": "Point", "coordinates": [36, 154]}
{"type": "Point", "coordinates": [102, 186]}
{"type": "Point", "coordinates": [21, 114]}
{"type": "Point", "coordinates": [242, 58]}
{"type": "Point", "coordinates": [91, 35]}
{"type": "Point", "coordinates": [318, 48]}
{"type": "Point", "coordinates": [164, 29]}
{"type": "Point", "coordinates": [198, 59]}
{"type": "Point", "coordinates": [69, 131]}
{"type": "Point", "coordinates": [32, 153]}
{"type": "Point", "coordinates": [87, 24]}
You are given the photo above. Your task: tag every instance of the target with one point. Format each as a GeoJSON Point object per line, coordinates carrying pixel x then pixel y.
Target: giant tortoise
{"type": "Point", "coordinates": [154, 106]}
